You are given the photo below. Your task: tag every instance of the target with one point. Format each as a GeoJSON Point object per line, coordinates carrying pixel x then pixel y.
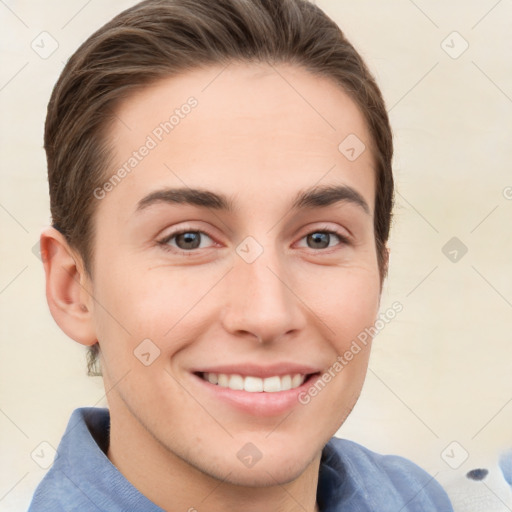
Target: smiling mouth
{"type": "Point", "coordinates": [251, 384]}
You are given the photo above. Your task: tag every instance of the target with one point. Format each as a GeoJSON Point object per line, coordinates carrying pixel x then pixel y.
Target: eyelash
{"type": "Point", "coordinates": [164, 243]}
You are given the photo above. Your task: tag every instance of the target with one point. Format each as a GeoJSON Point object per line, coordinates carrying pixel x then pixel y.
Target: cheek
{"type": "Point", "coordinates": [347, 302]}
{"type": "Point", "coordinates": [138, 303]}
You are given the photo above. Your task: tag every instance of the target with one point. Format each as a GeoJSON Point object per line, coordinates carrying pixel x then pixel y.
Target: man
{"type": "Point", "coordinates": [221, 192]}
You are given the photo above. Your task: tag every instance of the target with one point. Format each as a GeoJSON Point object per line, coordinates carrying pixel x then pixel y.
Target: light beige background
{"type": "Point", "coordinates": [441, 371]}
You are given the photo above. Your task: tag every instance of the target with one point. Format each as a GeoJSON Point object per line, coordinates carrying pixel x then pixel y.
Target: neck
{"type": "Point", "coordinates": [173, 484]}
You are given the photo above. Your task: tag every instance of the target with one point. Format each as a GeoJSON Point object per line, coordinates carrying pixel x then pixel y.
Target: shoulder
{"type": "Point", "coordinates": [58, 494]}
{"type": "Point", "coordinates": [385, 479]}
{"type": "Point", "coordinates": [58, 490]}
{"type": "Point", "coordinates": [82, 478]}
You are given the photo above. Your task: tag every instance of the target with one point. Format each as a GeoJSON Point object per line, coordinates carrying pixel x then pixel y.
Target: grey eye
{"type": "Point", "coordinates": [321, 239]}
{"type": "Point", "coordinates": [188, 240]}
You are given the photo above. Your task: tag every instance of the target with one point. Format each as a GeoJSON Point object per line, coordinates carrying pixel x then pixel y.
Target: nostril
{"type": "Point", "coordinates": [477, 474]}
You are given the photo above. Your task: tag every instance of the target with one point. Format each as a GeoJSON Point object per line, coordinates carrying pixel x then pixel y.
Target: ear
{"type": "Point", "coordinates": [68, 288]}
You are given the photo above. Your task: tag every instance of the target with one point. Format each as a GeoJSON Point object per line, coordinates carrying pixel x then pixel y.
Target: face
{"type": "Point", "coordinates": [217, 259]}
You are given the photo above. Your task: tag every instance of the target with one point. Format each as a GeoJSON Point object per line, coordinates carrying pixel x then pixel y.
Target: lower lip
{"type": "Point", "coordinates": [259, 403]}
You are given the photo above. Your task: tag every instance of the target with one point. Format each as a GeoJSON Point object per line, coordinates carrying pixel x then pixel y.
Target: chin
{"type": "Point", "coordinates": [265, 475]}
{"type": "Point", "coordinates": [278, 466]}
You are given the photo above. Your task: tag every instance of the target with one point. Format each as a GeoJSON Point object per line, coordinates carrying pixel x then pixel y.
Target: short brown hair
{"type": "Point", "coordinates": [156, 39]}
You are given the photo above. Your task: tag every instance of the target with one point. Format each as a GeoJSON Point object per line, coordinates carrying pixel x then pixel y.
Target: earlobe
{"type": "Point", "coordinates": [67, 288]}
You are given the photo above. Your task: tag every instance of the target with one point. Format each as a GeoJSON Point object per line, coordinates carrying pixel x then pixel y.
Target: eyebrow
{"type": "Point", "coordinates": [315, 197]}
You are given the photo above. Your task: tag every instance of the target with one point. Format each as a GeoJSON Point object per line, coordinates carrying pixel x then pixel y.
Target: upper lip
{"type": "Point", "coordinates": [253, 370]}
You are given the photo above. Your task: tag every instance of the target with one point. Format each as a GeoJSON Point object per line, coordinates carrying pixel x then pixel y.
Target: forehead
{"type": "Point", "coordinates": [243, 127]}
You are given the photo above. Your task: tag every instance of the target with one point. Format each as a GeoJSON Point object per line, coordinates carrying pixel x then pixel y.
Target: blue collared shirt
{"type": "Point", "coordinates": [351, 478]}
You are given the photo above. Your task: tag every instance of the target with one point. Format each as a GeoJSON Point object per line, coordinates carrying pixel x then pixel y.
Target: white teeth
{"type": "Point", "coordinates": [297, 380]}
{"type": "Point", "coordinates": [272, 384]}
{"type": "Point", "coordinates": [223, 380]}
{"type": "Point", "coordinates": [287, 381]}
{"type": "Point", "coordinates": [256, 384]}
{"type": "Point", "coordinates": [253, 384]}
{"type": "Point", "coordinates": [236, 382]}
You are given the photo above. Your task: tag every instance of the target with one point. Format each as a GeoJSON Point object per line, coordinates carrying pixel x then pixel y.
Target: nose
{"type": "Point", "coordinates": [261, 301]}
